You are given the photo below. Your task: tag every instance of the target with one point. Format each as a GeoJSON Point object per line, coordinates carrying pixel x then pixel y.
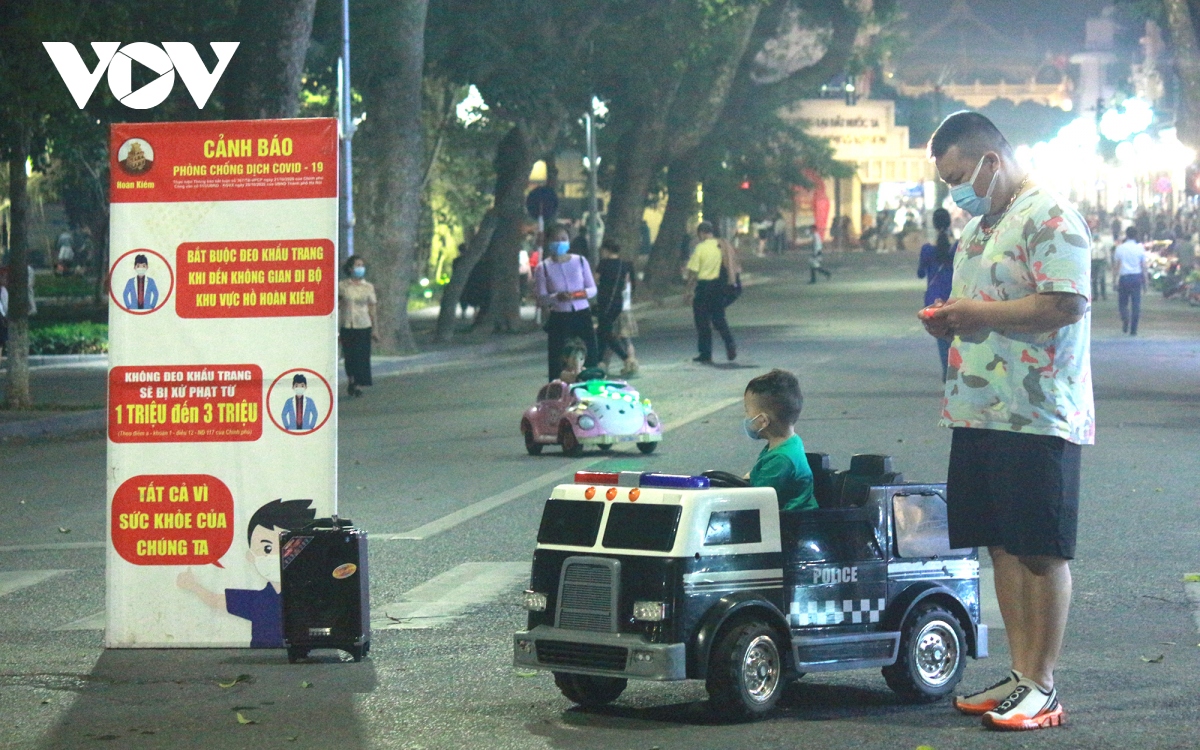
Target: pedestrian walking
{"type": "Point", "coordinates": [706, 293]}
{"type": "Point", "coordinates": [936, 266]}
{"type": "Point", "coordinates": [1019, 399]}
{"type": "Point", "coordinates": [1129, 277]}
{"type": "Point", "coordinates": [3, 310]}
{"type": "Point", "coordinates": [612, 293]}
{"type": "Point", "coordinates": [357, 307]}
{"type": "Point", "coordinates": [564, 284]}
{"type": "Point", "coordinates": [817, 257]}
{"type": "Point", "coordinates": [1103, 244]}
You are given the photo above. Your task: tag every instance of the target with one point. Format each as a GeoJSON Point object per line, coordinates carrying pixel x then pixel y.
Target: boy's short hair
{"type": "Point", "coordinates": [779, 392]}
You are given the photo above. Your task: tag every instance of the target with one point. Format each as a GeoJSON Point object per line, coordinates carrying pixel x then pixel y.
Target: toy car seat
{"type": "Point", "coordinates": [867, 470]}
{"type": "Point", "coordinates": [822, 479]}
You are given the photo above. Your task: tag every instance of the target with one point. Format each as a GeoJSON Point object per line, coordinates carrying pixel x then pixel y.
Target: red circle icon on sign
{"type": "Point", "coordinates": [300, 414]}
{"type": "Point", "coordinates": [135, 273]}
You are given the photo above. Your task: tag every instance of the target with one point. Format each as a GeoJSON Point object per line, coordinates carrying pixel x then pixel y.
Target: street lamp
{"type": "Point", "coordinates": [347, 128]}
{"type": "Point", "coordinates": [593, 222]}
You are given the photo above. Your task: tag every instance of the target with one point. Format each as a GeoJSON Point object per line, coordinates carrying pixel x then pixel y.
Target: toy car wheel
{"type": "Point", "coordinates": [745, 677]}
{"type": "Point", "coordinates": [604, 447]}
{"type": "Point", "coordinates": [932, 656]}
{"type": "Point", "coordinates": [531, 445]}
{"type": "Point", "coordinates": [647, 448]}
{"type": "Point", "coordinates": [587, 690]}
{"type": "Point", "coordinates": [566, 438]}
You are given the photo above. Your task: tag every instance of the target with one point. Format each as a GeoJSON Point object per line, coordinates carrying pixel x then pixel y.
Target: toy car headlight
{"type": "Point", "coordinates": [652, 419]}
{"type": "Point", "coordinates": [533, 601]}
{"type": "Point", "coordinates": [586, 422]}
{"type": "Point", "coordinates": [650, 611]}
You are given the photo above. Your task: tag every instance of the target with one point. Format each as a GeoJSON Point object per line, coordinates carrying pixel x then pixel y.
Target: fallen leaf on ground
{"type": "Point", "coordinates": [63, 530]}
{"type": "Point", "coordinates": [305, 684]}
{"type": "Point", "coordinates": [1166, 643]}
{"type": "Point", "coordinates": [1153, 659]}
{"type": "Point", "coordinates": [1192, 578]}
{"type": "Point", "coordinates": [243, 720]}
{"type": "Point", "coordinates": [526, 674]}
{"type": "Point", "coordinates": [234, 681]}
{"type": "Point", "coordinates": [45, 701]}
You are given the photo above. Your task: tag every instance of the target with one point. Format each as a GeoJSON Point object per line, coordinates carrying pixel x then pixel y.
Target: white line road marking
{"type": "Point", "coordinates": [449, 521]}
{"type": "Point", "coordinates": [1193, 594]}
{"type": "Point", "coordinates": [52, 547]}
{"type": "Point", "coordinates": [443, 598]}
{"type": "Point", "coordinates": [989, 608]}
{"type": "Point", "coordinates": [91, 622]}
{"type": "Point", "coordinates": [15, 580]}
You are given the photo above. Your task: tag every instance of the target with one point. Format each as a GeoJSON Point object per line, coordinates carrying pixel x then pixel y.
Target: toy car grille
{"type": "Point", "coordinates": [587, 655]}
{"type": "Point", "coordinates": [587, 599]}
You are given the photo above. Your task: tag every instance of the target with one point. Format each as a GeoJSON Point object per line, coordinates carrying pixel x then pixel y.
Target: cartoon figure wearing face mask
{"type": "Point", "coordinates": [141, 293]}
{"type": "Point", "coordinates": [262, 607]}
{"type": "Point", "coordinates": [299, 412]}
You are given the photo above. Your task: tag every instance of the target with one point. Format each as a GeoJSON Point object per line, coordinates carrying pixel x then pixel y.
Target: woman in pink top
{"type": "Point", "coordinates": [564, 285]}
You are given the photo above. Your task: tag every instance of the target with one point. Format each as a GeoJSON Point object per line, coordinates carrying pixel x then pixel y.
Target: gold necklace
{"type": "Point", "coordinates": [987, 230]}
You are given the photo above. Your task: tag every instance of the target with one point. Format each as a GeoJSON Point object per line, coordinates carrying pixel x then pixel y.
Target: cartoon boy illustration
{"type": "Point", "coordinates": [263, 608]}
{"type": "Point", "coordinates": [141, 293]}
{"type": "Point", "coordinates": [299, 413]}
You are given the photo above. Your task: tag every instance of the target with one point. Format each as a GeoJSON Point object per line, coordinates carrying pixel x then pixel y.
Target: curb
{"type": "Point", "coordinates": [63, 425]}
{"type": "Point", "coordinates": [60, 425]}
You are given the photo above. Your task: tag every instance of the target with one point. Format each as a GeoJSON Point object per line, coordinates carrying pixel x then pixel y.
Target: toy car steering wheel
{"type": "Point", "coordinates": [724, 479]}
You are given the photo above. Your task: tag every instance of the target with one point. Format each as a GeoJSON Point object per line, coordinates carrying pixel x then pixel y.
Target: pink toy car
{"type": "Point", "coordinates": [591, 412]}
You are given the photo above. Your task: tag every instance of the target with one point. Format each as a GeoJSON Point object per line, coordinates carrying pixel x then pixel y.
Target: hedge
{"type": "Point", "coordinates": [69, 338]}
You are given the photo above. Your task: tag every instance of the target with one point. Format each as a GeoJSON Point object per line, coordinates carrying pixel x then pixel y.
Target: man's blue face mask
{"type": "Point", "coordinates": [964, 195]}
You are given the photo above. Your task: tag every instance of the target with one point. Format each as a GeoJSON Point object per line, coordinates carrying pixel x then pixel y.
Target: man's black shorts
{"type": "Point", "coordinates": [1014, 490]}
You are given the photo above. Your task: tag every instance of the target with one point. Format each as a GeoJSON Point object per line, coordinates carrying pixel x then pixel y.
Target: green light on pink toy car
{"type": "Point", "coordinates": [598, 413]}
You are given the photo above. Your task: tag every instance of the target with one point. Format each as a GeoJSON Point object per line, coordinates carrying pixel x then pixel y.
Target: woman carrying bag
{"type": "Point", "coordinates": [564, 285]}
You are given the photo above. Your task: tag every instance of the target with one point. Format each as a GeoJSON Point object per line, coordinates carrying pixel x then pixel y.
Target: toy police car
{"type": "Point", "coordinates": [666, 577]}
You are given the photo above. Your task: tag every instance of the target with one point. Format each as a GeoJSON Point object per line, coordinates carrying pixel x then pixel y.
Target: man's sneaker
{"type": "Point", "coordinates": [979, 703]}
{"type": "Point", "coordinates": [1028, 707]}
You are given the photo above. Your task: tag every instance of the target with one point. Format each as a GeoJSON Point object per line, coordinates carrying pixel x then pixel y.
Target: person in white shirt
{"type": "Point", "coordinates": [1102, 250]}
{"type": "Point", "coordinates": [1129, 277]}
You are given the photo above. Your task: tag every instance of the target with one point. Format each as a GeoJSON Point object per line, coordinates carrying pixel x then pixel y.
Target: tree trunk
{"type": "Point", "coordinates": [393, 136]}
{"type": "Point", "coordinates": [683, 177]}
{"type": "Point", "coordinates": [264, 75]}
{"type": "Point", "coordinates": [17, 352]}
{"type": "Point", "coordinates": [640, 150]}
{"type": "Point", "coordinates": [1182, 28]}
{"type": "Point", "coordinates": [452, 292]}
{"type": "Point", "coordinates": [514, 160]}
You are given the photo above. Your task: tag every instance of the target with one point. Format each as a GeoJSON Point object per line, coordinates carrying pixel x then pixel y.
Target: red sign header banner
{"type": "Point", "coordinates": [222, 160]}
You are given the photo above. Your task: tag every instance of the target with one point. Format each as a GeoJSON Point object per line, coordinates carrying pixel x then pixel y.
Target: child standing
{"type": "Point", "coordinates": [773, 402]}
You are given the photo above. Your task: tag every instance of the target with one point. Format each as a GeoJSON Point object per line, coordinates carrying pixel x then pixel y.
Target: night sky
{"type": "Point", "coordinates": [1056, 25]}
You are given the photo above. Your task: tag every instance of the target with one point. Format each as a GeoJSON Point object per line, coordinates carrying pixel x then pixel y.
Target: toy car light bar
{"type": "Point", "coordinates": [645, 479]}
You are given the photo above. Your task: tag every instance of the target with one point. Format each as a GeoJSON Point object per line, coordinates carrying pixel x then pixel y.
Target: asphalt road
{"type": "Point", "coordinates": [436, 454]}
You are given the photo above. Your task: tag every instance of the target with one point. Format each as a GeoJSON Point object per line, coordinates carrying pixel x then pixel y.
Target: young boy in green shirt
{"type": "Point", "coordinates": [773, 403]}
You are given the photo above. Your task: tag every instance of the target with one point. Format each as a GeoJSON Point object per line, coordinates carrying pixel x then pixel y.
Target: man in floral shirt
{"type": "Point", "coordinates": [1019, 398]}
